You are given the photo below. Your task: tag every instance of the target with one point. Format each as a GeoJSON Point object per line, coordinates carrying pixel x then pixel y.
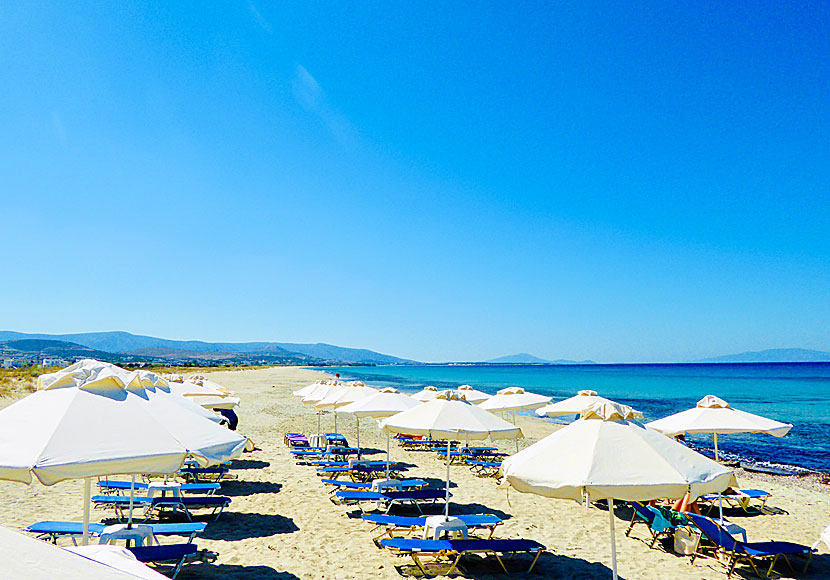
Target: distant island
{"type": "Point", "coordinates": [772, 355]}
{"type": "Point", "coordinates": [524, 358]}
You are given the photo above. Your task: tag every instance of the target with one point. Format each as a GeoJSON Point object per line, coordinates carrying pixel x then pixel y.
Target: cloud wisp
{"type": "Point", "coordinates": [311, 97]}
{"type": "Point", "coordinates": [260, 19]}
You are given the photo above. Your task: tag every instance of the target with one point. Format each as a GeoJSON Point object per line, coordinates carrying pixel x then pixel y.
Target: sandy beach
{"type": "Point", "coordinates": [281, 524]}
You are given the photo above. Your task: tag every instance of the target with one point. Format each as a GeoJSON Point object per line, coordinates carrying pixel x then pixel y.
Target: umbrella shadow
{"type": "Point", "coordinates": [234, 526]}
{"type": "Point", "coordinates": [476, 508]}
{"type": "Point", "coordinates": [242, 487]}
{"type": "Point", "coordinates": [249, 464]}
{"type": "Point", "coordinates": [223, 571]}
{"type": "Point", "coordinates": [434, 482]}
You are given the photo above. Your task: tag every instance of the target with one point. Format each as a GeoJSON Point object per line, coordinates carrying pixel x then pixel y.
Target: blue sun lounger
{"type": "Point", "coordinates": [407, 525]}
{"type": "Point", "coordinates": [367, 485]}
{"type": "Point", "coordinates": [159, 506]}
{"type": "Point", "coordinates": [51, 530]}
{"type": "Point", "coordinates": [739, 498]}
{"type": "Point", "coordinates": [657, 523]}
{"type": "Point", "coordinates": [113, 486]}
{"type": "Point", "coordinates": [458, 548]}
{"type": "Point", "coordinates": [203, 474]}
{"type": "Point", "coordinates": [174, 555]}
{"type": "Point", "coordinates": [391, 498]}
{"type": "Point", "coordinates": [736, 550]}
{"type": "Point", "coordinates": [484, 468]}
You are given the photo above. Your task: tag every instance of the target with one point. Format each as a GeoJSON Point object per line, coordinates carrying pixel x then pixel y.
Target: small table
{"type": "Point", "coordinates": [137, 533]}
{"type": "Point", "coordinates": [379, 485]}
{"type": "Point", "coordinates": [437, 526]}
{"type": "Point", "coordinates": [163, 488]}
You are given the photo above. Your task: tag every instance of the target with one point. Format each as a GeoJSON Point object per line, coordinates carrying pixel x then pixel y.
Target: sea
{"type": "Point", "coordinates": [797, 393]}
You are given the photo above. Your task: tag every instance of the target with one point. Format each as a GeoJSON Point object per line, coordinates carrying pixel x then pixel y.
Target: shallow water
{"type": "Point", "coordinates": [797, 393]}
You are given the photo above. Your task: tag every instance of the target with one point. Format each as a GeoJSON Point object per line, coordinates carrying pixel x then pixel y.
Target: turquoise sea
{"type": "Point", "coordinates": [797, 393]}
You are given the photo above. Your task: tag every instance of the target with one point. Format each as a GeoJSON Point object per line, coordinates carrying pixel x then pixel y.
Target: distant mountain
{"type": "Point", "coordinates": [135, 344]}
{"type": "Point", "coordinates": [32, 349]}
{"type": "Point", "coordinates": [773, 355]}
{"type": "Point", "coordinates": [524, 358]}
{"type": "Point", "coordinates": [521, 358]}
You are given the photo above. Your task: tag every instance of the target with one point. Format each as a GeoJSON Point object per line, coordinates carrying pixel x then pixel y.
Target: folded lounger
{"type": "Point", "coordinates": [159, 505]}
{"type": "Point", "coordinates": [458, 548]}
{"type": "Point", "coordinates": [484, 468]}
{"type": "Point", "coordinates": [367, 485]}
{"type": "Point", "coordinates": [391, 498]}
{"type": "Point", "coordinates": [749, 551]}
{"type": "Point", "coordinates": [112, 486]}
{"type": "Point", "coordinates": [407, 525]}
{"type": "Point", "coordinates": [657, 524]}
{"type": "Point", "coordinates": [296, 440]}
{"type": "Point", "coordinates": [51, 530]}
{"type": "Point", "coordinates": [336, 439]}
{"type": "Point", "coordinates": [741, 498]}
{"type": "Point", "coordinates": [174, 555]}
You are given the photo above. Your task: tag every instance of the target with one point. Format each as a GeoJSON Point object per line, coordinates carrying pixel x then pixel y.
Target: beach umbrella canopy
{"type": "Point", "coordinates": [428, 393]}
{"type": "Point", "coordinates": [306, 391]}
{"type": "Point", "coordinates": [26, 557]}
{"type": "Point", "coordinates": [322, 391]}
{"type": "Point", "coordinates": [604, 455]}
{"type": "Point", "coordinates": [338, 398]}
{"type": "Point", "coordinates": [205, 396]}
{"type": "Point", "coordinates": [446, 417]}
{"type": "Point", "coordinates": [514, 399]}
{"type": "Point", "coordinates": [472, 395]}
{"type": "Point", "coordinates": [383, 403]}
{"type": "Point", "coordinates": [714, 415]}
{"type": "Point", "coordinates": [572, 406]}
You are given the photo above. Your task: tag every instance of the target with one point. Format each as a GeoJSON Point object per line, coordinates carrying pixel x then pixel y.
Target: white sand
{"type": "Point", "coordinates": [281, 524]}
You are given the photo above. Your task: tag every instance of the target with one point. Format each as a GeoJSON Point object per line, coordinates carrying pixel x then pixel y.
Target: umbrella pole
{"type": "Point", "coordinates": [715, 437]}
{"type": "Point", "coordinates": [335, 421]}
{"type": "Point", "coordinates": [87, 485]}
{"type": "Point", "coordinates": [132, 499]}
{"type": "Point", "coordinates": [387, 455]}
{"type": "Point", "coordinates": [318, 423]}
{"type": "Point", "coordinates": [613, 539]}
{"type": "Point", "coordinates": [447, 502]}
{"type": "Point", "coordinates": [517, 439]}
{"type": "Point", "coordinates": [357, 419]}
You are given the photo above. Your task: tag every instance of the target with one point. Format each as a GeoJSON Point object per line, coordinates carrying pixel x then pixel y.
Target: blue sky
{"type": "Point", "coordinates": [637, 183]}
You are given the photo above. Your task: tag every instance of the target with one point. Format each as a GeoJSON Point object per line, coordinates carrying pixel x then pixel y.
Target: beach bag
{"type": "Point", "coordinates": [685, 541]}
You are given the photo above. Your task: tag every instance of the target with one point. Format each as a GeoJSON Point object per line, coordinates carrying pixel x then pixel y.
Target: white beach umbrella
{"type": "Point", "coordinates": [305, 391]}
{"type": "Point", "coordinates": [25, 557]}
{"type": "Point", "coordinates": [450, 416]}
{"type": "Point", "coordinates": [472, 395]}
{"type": "Point", "coordinates": [573, 405]}
{"type": "Point", "coordinates": [339, 398]}
{"type": "Point", "coordinates": [714, 415]}
{"type": "Point", "coordinates": [383, 403]}
{"type": "Point", "coordinates": [514, 399]}
{"type": "Point", "coordinates": [205, 396]}
{"type": "Point", "coordinates": [604, 455]}
{"type": "Point", "coordinates": [428, 393]}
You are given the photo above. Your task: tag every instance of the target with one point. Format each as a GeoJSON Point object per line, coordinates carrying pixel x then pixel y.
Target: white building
{"type": "Point", "coordinates": [53, 362]}
{"type": "Point", "coordinates": [8, 363]}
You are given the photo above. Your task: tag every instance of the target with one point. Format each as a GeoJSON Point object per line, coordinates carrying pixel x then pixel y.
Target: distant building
{"type": "Point", "coordinates": [53, 362]}
{"type": "Point", "coordinates": [8, 363]}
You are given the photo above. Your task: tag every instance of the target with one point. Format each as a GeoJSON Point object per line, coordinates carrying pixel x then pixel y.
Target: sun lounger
{"type": "Point", "coordinates": [51, 530]}
{"type": "Point", "coordinates": [336, 439]}
{"type": "Point", "coordinates": [117, 487]}
{"type": "Point", "coordinates": [737, 551]}
{"type": "Point", "coordinates": [333, 453]}
{"type": "Point", "coordinates": [367, 485]}
{"type": "Point", "coordinates": [484, 468]}
{"type": "Point", "coordinates": [362, 472]}
{"type": "Point", "coordinates": [392, 525]}
{"type": "Point", "coordinates": [415, 497]}
{"type": "Point", "coordinates": [171, 555]}
{"type": "Point", "coordinates": [203, 474]}
{"type": "Point", "coordinates": [161, 506]}
{"type": "Point", "coordinates": [456, 549]}
{"type": "Point", "coordinates": [296, 440]}
{"type": "Point", "coordinates": [740, 498]}
{"type": "Point", "coordinates": [655, 520]}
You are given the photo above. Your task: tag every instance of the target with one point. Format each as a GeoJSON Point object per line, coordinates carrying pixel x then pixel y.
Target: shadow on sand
{"type": "Point", "coordinates": [249, 464]}
{"type": "Point", "coordinates": [241, 487]}
{"type": "Point", "coordinates": [233, 572]}
{"type": "Point", "coordinates": [239, 526]}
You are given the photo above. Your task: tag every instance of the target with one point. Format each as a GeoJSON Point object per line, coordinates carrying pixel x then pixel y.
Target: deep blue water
{"type": "Point", "coordinates": [797, 393]}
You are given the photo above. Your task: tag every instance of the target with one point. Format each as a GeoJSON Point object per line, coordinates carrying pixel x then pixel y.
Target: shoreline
{"type": "Point", "coordinates": [282, 526]}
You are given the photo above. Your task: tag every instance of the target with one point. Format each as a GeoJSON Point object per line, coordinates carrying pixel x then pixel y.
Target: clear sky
{"type": "Point", "coordinates": [645, 182]}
